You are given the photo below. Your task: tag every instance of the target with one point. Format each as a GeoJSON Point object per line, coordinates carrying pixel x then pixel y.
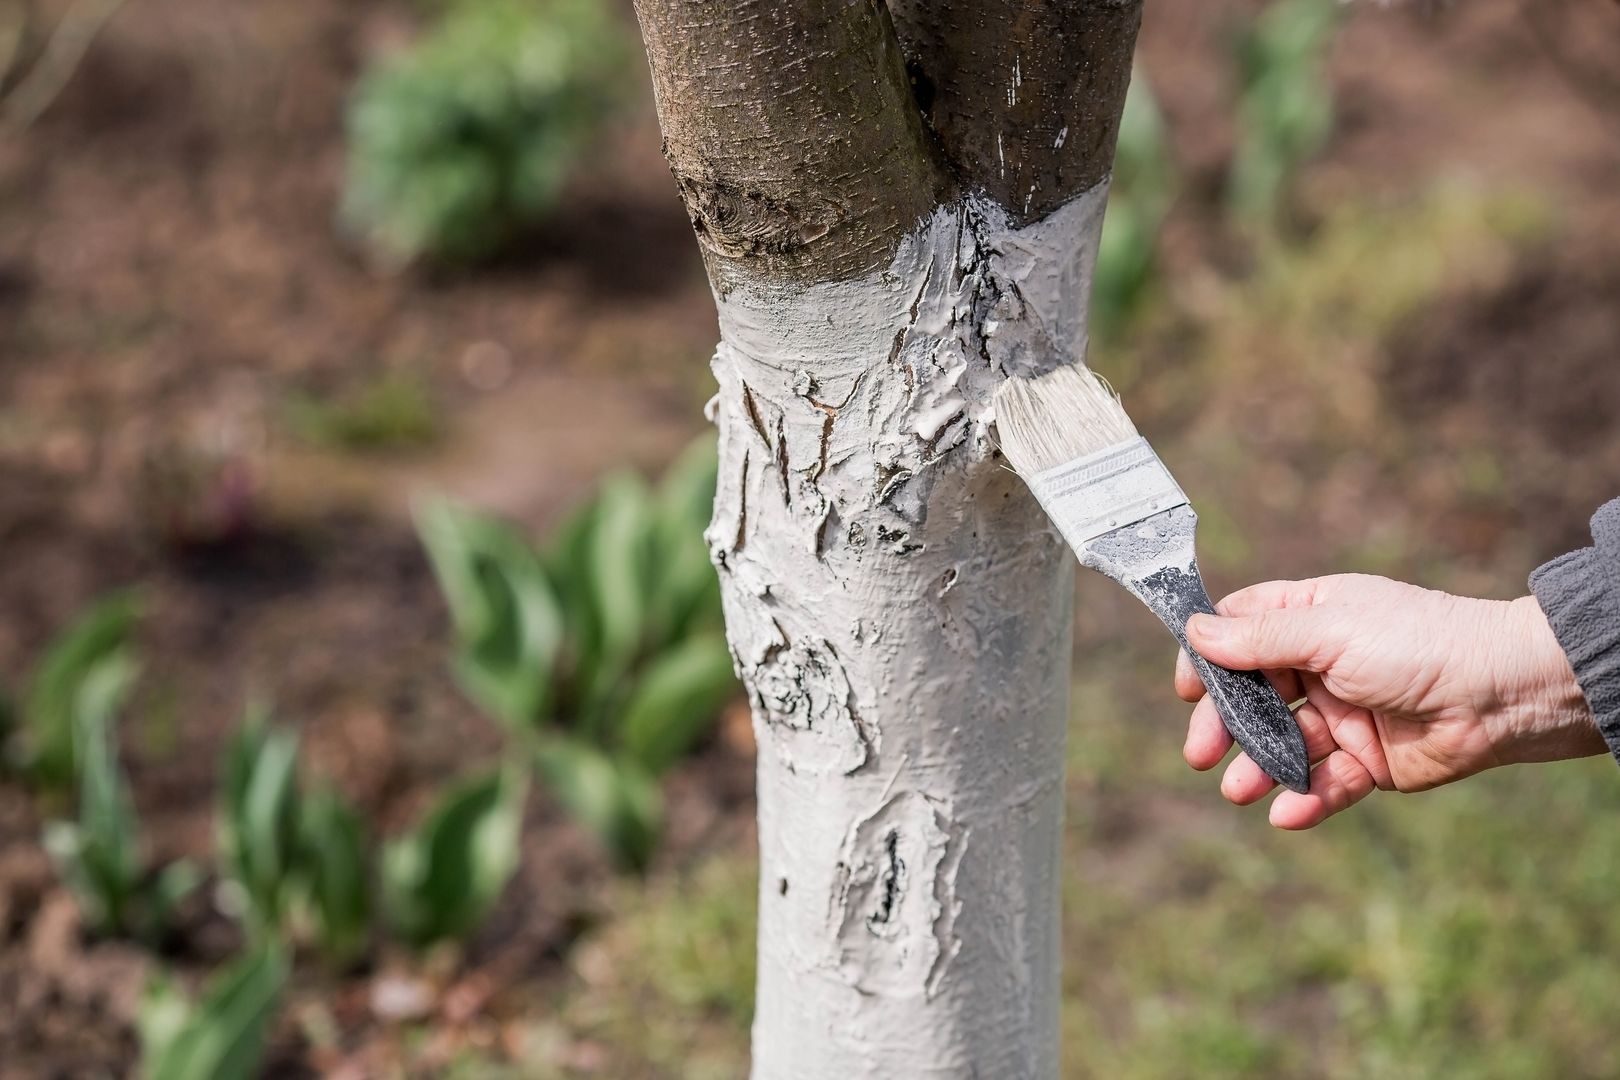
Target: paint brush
{"type": "Point", "coordinates": [1124, 515]}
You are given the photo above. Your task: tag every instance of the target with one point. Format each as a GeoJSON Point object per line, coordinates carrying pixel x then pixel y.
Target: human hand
{"type": "Point", "coordinates": [1405, 688]}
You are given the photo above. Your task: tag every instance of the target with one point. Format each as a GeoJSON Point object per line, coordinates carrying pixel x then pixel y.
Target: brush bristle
{"type": "Point", "coordinates": [1058, 416]}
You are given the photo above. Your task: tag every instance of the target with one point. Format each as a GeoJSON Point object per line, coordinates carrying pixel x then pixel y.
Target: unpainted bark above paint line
{"type": "Point", "coordinates": [807, 137]}
{"type": "Point", "coordinates": [791, 132]}
{"type": "Point", "coordinates": [1023, 95]}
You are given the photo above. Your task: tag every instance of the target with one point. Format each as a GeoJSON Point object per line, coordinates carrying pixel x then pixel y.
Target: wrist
{"type": "Point", "coordinates": [1538, 712]}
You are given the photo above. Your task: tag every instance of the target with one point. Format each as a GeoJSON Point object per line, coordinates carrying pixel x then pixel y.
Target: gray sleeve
{"type": "Point", "coordinates": [1580, 594]}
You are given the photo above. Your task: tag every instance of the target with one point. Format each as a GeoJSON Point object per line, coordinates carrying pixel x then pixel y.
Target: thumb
{"type": "Point", "coordinates": [1308, 638]}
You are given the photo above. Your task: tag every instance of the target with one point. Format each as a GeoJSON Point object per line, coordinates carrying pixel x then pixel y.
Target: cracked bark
{"type": "Point", "coordinates": [898, 206]}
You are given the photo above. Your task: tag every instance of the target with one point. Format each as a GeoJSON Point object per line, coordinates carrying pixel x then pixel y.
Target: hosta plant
{"type": "Point", "coordinates": [603, 651]}
{"type": "Point", "coordinates": [464, 139]}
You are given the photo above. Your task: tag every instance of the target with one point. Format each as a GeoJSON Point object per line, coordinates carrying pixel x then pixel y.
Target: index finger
{"type": "Point", "coordinates": [1268, 595]}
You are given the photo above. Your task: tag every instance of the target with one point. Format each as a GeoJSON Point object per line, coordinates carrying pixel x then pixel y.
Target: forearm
{"type": "Point", "coordinates": [1536, 710]}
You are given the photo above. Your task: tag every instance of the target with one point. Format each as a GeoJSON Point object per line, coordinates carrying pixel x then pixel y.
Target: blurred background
{"type": "Point", "coordinates": [366, 713]}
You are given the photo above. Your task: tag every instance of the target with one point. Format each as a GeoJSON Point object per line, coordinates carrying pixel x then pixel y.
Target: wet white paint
{"type": "Point", "coordinates": [899, 608]}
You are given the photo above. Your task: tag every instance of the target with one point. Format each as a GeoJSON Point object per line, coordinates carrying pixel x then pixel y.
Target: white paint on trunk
{"type": "Point", "coordinates": [899, 609]}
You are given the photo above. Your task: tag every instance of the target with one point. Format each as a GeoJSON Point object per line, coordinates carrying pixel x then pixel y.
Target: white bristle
{"type": "Point", "coordinates": [1058, 416]}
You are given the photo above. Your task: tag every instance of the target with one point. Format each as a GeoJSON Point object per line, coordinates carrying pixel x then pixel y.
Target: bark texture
{"type": "Point", "coordinates": [791, 132]}
{"type": "Point", "coordinates": [1024, 95]}
{"type": "Point", "coordinates": [898, 606]}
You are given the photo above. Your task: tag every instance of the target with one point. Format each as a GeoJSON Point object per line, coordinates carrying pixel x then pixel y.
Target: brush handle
{"type": "Point", "coordinates": [1154, 559]}
{"type": "Point", "coordinates": [1252, 709]}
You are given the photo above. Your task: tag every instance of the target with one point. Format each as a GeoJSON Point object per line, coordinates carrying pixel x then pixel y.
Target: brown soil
{"type": "Point", "coordinates": [1545, 391]}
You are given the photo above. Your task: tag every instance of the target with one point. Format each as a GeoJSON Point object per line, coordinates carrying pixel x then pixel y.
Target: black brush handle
{"type": "Point", "coordinates": [1250, 707]}
{"type": "Point", "coordinates": [1155, 559]}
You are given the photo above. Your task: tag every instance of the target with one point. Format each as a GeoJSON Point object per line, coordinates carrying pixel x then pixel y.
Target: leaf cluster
{"type": "Point", "coordinates": [467, 137]}
{"type": "Point", "coordinates": [603, 650]}
{"type": "Point", "coordinates": [302, 868]}
{"type": "Point", "coordinates": [295, 861]}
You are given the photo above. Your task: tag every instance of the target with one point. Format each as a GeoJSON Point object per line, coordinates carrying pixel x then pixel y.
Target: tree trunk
{"type": "Point", "coordinates": [899, 207]}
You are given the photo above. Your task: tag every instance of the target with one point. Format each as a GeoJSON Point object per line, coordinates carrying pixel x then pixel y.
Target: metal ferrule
{"type": "Point", "coordinates": [1110, 489]}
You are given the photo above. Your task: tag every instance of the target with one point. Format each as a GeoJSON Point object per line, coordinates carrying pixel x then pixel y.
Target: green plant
{"type": "Point", "coordinates": [89, 668]}
{"type": "Point", "coordinates": [100, 855]}
{"type": "Point", "coordinates": [505, 616]}
{"type": "Point", "coordinates": [393, 412]}
{"type": "Point", "coordinates": [335, 886]}
{"type": "Point", "coordinates": [1139, 198]}
{"type": "Point", "coordinates": [605, 650]}
{"type": "Point", "coordinates": [259, 821]}
{"type": "Point", "coordinates": [460, 141]}
{"type": "Point", "coordinates": [1285, 103]}
{"type": "Point", "coordinates": [443, 877]}
{"type": "Point", "coordinates": [615, 799]}
{"type": "Point", "coordinates": [222, 1036]}
{"type": "Point", "coordinates": [297, 861]}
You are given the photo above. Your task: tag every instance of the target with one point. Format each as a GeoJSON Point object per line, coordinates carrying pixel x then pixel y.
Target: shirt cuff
{"type": "Point", "coordinates": [1580, 595]}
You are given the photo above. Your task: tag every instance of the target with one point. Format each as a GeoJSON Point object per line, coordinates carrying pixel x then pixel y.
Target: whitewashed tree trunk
{"type": "Point", "coordinates": [898, 607]}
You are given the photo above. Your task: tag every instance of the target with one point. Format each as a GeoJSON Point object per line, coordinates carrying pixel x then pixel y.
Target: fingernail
{"type": "Point", "coordinates": [1206, 626]}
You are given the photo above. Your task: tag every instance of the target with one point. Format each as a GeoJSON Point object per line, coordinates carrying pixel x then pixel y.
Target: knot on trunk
{"type": "Point", "coordinates": [736, 221]}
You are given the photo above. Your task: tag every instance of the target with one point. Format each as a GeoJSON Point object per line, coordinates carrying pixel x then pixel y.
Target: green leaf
{"type": "Point", "coordinates": [686, 588]}
{"type": "Point", "coordinates": [567, 560]}
{"type": "Point", "coordinates": [441, 879]}
{"type": "Point", "coordinates": [620, 570]}
{"type": "Point", "coordinates": [334, 869]}
{"type": "Point", "coordinates": [1139, 198]}
{"type": "Point", "coordinates": [507, 621]}
{"type": "Point", "coordinates": [258, 823]}
{"type": "Point", "coordinates": [220, 1038]}
{"type": "Point", "coordinates": [163, 1014]}
{"type": "Point", "coordinates": [98, 855]}
{"type": "Point", "coordinates": [74, 666]}
{"type": "Point", "coordinates": [621, 561]}
{"type": "Point", "coordinates": [614, 799]}
{"type": "Point", "coordinates": [1142, 161]}
{"type": "Point", "coordinates": [166, 891]}
{"type": "Point", "coordinates": [686, 494]}
{"type": "Point", "coordinates": [675, 701]}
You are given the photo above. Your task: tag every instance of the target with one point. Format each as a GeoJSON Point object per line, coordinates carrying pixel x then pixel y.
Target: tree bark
{"type": "Point", "coordinates": [897, 212]}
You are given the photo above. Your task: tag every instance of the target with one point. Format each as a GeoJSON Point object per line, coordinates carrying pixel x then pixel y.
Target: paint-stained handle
{"type": "Point", "coordinates": [1155, 558]}
{"type": "Point", "coordinates": [1251, 708]}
